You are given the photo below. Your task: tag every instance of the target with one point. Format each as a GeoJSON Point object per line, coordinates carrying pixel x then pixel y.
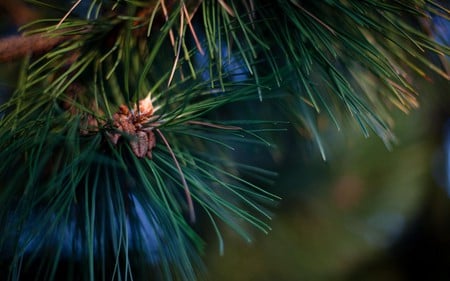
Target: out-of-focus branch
{"type": "Point", "coordinates": [15, 47]}
{"type": "Point", "coordinates": [18, 12]}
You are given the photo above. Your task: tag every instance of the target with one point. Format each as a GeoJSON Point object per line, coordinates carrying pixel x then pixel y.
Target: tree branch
{"type": "Point", "coordinates": [15, 47]}
{"type": "Point", "coordinates": [18, 12]}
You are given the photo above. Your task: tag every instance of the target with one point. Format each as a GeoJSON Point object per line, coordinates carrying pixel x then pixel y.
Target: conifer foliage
{"type": "Point", "coordinates": [119, 138]}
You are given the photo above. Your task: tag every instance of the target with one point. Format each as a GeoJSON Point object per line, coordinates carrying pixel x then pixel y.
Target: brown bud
{"type": "Point", "coordinates": [139, 145]}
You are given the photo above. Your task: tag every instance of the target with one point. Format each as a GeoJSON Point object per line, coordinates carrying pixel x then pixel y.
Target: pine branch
{"type": "Point", "coordinates": [78, 135]}
{"type": "Point", "coordinates": [18, 12]}
{"type": "Point", "coordinates": [16, 47]}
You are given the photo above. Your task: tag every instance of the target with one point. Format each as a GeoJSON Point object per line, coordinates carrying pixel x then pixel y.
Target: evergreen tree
{"type": "Point", "coordinates": [126, 131]}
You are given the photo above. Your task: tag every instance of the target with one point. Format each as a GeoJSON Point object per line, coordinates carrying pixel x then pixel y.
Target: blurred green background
{"type": "Point", "coordinates": [368, 213]}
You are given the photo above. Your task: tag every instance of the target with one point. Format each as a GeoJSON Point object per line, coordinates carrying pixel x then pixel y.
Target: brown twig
{"type": "Point", "coordinates": [18, 12]}
{"type": "Point", "coordinates": [15, 47]}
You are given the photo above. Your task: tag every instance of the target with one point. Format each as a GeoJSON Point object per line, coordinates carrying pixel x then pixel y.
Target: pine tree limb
{"type": "Point", "coordinates": [15, 47]}
{"type": "Point", "coordinates": [18, 12]}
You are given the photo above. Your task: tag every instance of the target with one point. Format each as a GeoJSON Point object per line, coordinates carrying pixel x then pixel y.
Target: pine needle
{"type": "Point", "coordinates": [183, 180]}
{"type": "Point", "coordinates": [74, 6]}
